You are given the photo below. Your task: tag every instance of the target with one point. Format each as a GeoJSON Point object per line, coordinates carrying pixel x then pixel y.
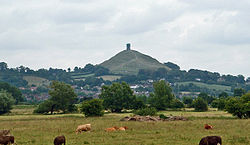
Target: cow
{"type": "Point", "coordinates": [112, 129]}
{"type": "Point", "coordinates": [59, 140]}
{"type": "Point", "coordinates": [206, 126]}
{"type": "Point", "coordinates": [85, 127]}
{"type": "Point", "coordinates": [5, 140]}
{"type": "Point", "coordinates": [123, 128]}
{"type": "Point", "coordinates": [211, 140]}
{"type": "Point", "coordinates": [4, 132]}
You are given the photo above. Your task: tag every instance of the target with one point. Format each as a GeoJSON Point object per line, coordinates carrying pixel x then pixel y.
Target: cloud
{"type": "Point", "coordinates": [208, 34]}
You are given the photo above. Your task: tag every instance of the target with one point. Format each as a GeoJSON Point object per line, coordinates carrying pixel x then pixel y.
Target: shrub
{"type": "Point", "coordinates": [146, 111]}
{"type": "Point", "coordinates": [177, 104]}
{"type": "Point", "coordinates": [239, 107]}
{"type": "Point", "coordinates": [200, 104]}
{"type": "Point", "coordinates": [93, 107]}
{"type": "Point", "coordinates": [162, 116]}
{"type": "Point", "coordinates": [138, 104]}
{"type": "Point", "coordinates": [44, 108]}
{"type": "Point", "coordinates": [188, 101]}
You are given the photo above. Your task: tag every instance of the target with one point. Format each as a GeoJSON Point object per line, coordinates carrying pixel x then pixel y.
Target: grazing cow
{"type": "Point", "coordinates": [206, 126]}
{"type": "Point", "coordinates": [123, 128]}
{"type": "Point", "coordinates": [4, 132]}
{"type": "Point", "coordinates": [85, 127]}
{"type": "Point", "coordinates": [5, 140]}
{"type": "Point", "coordinates": [59, 140]}
{"type": "Point", "coordinates": [211, 140]}
{"type": "Point", "coordinates": [111, 129]}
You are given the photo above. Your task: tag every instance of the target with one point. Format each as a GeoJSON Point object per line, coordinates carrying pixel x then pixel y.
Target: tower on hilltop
{"type": "Point", "coordinates": [128, 46]}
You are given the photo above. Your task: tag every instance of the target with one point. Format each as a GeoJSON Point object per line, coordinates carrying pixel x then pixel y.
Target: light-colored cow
{"type": "Point", "coordinates": [85, 127]}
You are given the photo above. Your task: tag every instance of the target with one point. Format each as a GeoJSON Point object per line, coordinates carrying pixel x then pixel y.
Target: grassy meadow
{"type": "Point", "coordinates": [30, 129]}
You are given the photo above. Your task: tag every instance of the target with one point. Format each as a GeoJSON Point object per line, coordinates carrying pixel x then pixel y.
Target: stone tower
{"type": "Point", "coordinates": [128, 46]}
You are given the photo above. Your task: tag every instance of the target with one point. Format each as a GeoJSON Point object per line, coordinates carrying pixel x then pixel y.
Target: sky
{"type": "Point", "coordinates": [211, 35]}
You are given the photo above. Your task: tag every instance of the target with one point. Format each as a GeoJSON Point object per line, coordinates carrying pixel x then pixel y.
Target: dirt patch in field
{"type": "Point", "coordinates": [153, 118]}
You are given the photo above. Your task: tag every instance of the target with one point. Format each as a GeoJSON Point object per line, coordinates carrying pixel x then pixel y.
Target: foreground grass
{"type": "Point", "coordinates": [41, 129]}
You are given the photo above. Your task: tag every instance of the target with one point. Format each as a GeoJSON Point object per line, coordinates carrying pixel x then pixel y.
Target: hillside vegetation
{"type": "Point", "coordinates": [37, 81]}
{"type": "Point", "coordinates": [209, 86]}
{"type": "Point", "coordinates": [129, 62]}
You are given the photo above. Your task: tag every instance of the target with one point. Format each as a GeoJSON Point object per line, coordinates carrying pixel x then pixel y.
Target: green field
{"type": "Point", "coordinates": [81, 75]}
{"type": "Point", "coordinates": [31, 129]}
{"type": "Point", "coordinates": [37, 81]}
{"type": "Point", "coordinates": [110, 77]}
{"type": "Point", "coordinates": [209, 86]}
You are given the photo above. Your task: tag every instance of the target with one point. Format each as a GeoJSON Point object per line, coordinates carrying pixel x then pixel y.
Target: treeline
{"type": "Point", "coordinates": [177, 75]}
{"type": "Point", "coordinates": [14, 76]}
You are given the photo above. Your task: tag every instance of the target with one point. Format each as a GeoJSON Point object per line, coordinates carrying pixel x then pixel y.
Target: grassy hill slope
{"type": "Point", "coordinates": [129, 62]}
{"type": "Point", "coordinates": [209, 86]}
{"type": "Point", "coordinates": [37, 81]}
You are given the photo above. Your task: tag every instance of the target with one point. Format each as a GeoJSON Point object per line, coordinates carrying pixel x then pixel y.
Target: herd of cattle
{"type": "Point", "coordinates": [6, 138]}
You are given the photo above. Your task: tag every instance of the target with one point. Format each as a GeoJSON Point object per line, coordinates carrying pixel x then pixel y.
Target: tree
{"type": "Point", "coordinates": [3, 66]}
{"type": "Point", "coordinates": [45, 107]}
{"type": "Point", "coordinates": [223, 95]}
{"type": "Point", "coordinates": [93, 107]}
{"type": "Point", "coordinates": [6, 102]}
{"type": "Point", "coordinates": [200, 104]}
{"type": "Point", "coordinates": [117, 97]}
{"type": "Point", "coordinates": [176, 104]}
{"type": "Point", "coordinates": [206, 97]}
{"type": "Point", "coordinates": [219, 103]}
{"type": "Point", "coordinates": [239, 92]}
{"type": "Point", "coordinates": [187, 100]}
{"type": "Point", "coordinates": [172, 65]}
{"type": "Point", "coordinates": [239, 107]}
{"type": "Point", "coordinates": [138, 103]}
{"type": "Point", "coordinates": [15, 92]}
{"type": "Point", "coordinates": [62, 97]}
{"type": "Point", "coordinates": [89, 67]}
{"type": "Point", "coordinates": [162, 96]}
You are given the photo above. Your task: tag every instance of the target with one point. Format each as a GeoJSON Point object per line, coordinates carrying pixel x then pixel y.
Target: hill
{"type": "Point", "coordinates": [37, 81]}
{"type": "Point", "coordinates": [129, 62]}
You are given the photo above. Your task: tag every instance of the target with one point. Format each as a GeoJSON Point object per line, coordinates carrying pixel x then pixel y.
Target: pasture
{"type": "Point", "coordinates": [37, 81]}
{"type": "Point", "coordinates": [30, 129]}
{"type": "Point", "coordinates": [209, 86]}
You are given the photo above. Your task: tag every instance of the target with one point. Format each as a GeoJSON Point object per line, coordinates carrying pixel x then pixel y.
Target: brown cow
{"type": "Point", "coordinates": [211, 140]}
{"type": "Point", "coordinates": [5, 140]}
{"type": "Point", "coordinates": [206, 126]}
{"type": "Point", "coordinates": [85, 127]}
{"type": "Point", "coordinates": [123, 128]}
{"type": "Point", "coordinates": [59, 140]}
{"type": "Point", "coordinates": [111, 129]}
{"type": "Point", "coordinates": [4, 132]}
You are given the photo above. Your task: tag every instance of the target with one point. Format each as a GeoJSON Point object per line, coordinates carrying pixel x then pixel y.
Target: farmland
{"type": "Point", "coordinates": [30, 129]}
{"type": "Point", "coordinates": [209, 86]}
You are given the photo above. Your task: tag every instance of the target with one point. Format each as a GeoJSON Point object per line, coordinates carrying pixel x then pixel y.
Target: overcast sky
{"type": "Point", "coordinates": [211, 35]}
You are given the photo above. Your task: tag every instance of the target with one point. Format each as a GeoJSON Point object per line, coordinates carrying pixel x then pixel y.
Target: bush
{"type": "Point", "coordinates": [177, 104]}
{"type": "Point", "coordinates": [239, 107]}
{"type": "Point", "coordinates": [6, 102]}
{"type": "Point", "coordinates": [146, 111]}
{"type": "Point", "coordinates": [138, 104]}
{"type": "Point", "coordinates": [44, 107]}
{"type": "Point", "coordinates": [162, 116]}
{"type": "Point", "coordinates": [92, 107]}
{"type": "Point", "coordinates": [188, 101]}
{"type": "Point", "coordinates": [200, 105]}
{"type": "Point", "coordinates": [219, 103]}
